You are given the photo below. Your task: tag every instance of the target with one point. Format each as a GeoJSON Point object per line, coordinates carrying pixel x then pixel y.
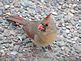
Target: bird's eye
{"type": "Point", "coordinates": [46, 24]}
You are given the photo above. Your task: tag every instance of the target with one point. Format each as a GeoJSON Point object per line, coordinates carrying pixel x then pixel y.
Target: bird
{"type": "Point", "coordinates": [42, 32]}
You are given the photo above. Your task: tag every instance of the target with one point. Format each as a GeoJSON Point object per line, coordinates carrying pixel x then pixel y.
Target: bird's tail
{"type": "Point", "coordinates": [17, 19]}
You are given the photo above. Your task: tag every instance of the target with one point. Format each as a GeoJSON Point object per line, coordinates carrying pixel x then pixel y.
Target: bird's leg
{"type": "Point", "coordinates": [44, 49]}
{"type": "Point", "coordinates": [49, 48]}
{"type": "Point", "coordinates": [34, 45]}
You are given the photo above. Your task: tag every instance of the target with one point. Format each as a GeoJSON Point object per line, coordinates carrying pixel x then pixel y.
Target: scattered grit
{"type": "Point", "coordinates": [67, 16]}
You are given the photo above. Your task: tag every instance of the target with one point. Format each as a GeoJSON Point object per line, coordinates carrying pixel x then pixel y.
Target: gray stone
{"type": "Point", "coordinates": [6, 33]}
{"type": "Point", "coordinates": [67, 31]}
{"type": "Point", "coordinates": [6, 6]}
{"type": "Point", "coordinates": [79, 40]}
{"type": "Point", "coordinates": [2, 52]}
{"type": "Point", "coordinates": [26, 3]}
{"type": "Point", "coordinates": [14, 53]}
{"type": "Point", "coordinates": [7, 1]}
{"type": "Point", "coordinates": [1, 11]}
{"type": "Point", "coordinates": [73, 22]}
{"type": "Point", "coordinates": [1, 37]}
{"type": "Point", "coordinates": [79, 31]}
{"type": "Point", "coordinates": [1, 4]}
{"type": "Point", "coordinates": [1, 30]}
{"type": "Point", "coordinates": [5, 22]}
{"type": "Point", "coordinates": [60, 1]}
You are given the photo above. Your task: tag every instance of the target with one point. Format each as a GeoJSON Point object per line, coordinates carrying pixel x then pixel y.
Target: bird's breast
{"type": "Point", "coordinates": [45, 39]}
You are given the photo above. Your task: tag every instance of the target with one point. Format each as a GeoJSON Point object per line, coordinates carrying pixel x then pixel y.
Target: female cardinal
{"type": "Point", "coordinates": [42, 33]}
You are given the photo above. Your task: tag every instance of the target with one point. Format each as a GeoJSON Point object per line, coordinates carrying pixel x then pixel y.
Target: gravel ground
{"type": "Point", "coordinates": [67, 15]}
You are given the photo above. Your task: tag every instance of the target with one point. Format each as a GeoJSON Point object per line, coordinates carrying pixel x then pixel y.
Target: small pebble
{"type": "Point", "coordinates": [1, 4]}
{"type": "Point", "coordinates": [13, 52]}
{"type": "Point", "coordinates": [6, 6]}
{"type": "Point", "coordinates": [1, 12]}
{"type": "Point", "coordinates": [80, 36]}
{"type": "Point", "coordinates": [67, 31]}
